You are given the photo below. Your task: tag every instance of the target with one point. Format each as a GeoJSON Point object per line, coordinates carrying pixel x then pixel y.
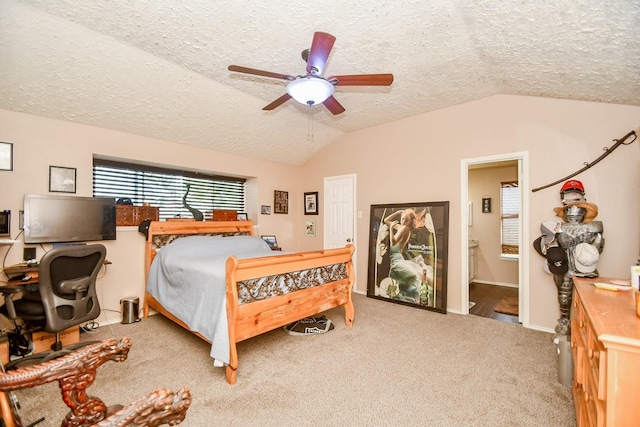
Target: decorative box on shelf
{"type": "Point", "coordinates": [225, 215]}
{"type": "Point", "coordinates": [134, 215]}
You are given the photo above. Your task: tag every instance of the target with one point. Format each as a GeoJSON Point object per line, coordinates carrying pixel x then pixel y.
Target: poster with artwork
{"type": "Point", "coordinates": [408, 254]}
{"type": "Point", "coordinates": [281, 202]}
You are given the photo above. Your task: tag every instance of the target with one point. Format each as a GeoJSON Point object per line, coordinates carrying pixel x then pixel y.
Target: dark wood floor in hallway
{"type": "Point", "coordinates": [486, 297]}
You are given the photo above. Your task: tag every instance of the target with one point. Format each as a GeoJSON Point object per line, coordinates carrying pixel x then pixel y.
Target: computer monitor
{"type": "Point", "coordinates": [58, 219]}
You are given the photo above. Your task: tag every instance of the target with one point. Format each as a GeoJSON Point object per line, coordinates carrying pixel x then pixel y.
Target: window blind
{"type": "Point", "coordinates": [166, 187]}
{"type": "Point", "coordinates": [509, 217]}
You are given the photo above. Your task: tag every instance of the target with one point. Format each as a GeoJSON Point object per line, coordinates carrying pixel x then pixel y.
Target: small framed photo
{"type": "Point", "coordinates": [281, 202]}
{"type": "Point", "coordinates": [62, 180]}
{"type": "Point", "coordinates": [265, 210]}
{"type": "Point", "coordinates": [311, 203]}
{"type": "Point", "coordinates": [243, 216]}
{"type": "Point", "coordinates": [6, 156]}
{"type": "Point", "coordinates": [486, 205]}
{"type": "Point", "coordinates": [310, 228]}
{"type": "Point", "coordinates": [271, 241]}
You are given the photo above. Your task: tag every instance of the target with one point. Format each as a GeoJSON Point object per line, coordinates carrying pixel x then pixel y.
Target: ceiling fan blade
{"type": "Point", "coordinates": [333, 105]}
{"type": "Point", "coordinates": [284, 98]}
{"type": "Point", "coordinates": [363, 80]}
{"type": "Point", "coordinates": [253, 71]}
{"type": "Point", "coordinates": [319, 52]}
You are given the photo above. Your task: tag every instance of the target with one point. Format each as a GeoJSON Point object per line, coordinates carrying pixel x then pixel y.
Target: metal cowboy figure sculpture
{"type": "Point", "coordinates": [572, 246]}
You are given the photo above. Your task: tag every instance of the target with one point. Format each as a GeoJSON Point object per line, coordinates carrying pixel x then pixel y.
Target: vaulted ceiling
{"type": "Point", "coordinates": [159, 68]}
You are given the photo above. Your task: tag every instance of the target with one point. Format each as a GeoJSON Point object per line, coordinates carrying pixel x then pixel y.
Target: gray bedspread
{"type": "Point", "coordinates": [188, 278]}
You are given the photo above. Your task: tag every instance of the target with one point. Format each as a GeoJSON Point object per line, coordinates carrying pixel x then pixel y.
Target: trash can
{"type": "Point", "coordinates": [130, 309]}
{"type": "Point", "coordinates": [565, 361]}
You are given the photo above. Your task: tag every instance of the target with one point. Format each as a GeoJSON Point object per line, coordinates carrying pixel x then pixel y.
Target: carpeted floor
{"type": "Point", "coordinates": [507, 305]}
{"type": "Point", "coordinates": [397, 366]}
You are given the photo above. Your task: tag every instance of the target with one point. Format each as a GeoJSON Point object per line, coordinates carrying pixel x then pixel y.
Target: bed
{"type": "Point", "coordinates": [257, 291]}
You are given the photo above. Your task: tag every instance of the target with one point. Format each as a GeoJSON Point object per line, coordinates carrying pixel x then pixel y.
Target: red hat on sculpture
{"type": "Point", "coordinates": [572, 185]}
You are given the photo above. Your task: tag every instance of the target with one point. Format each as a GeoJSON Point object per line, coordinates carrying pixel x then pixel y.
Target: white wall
{"type": "Point", "coordinates": [411, 160]}
{"type": "Point", "coordinates": [40, 142]}
{"type": "Point", "coordinates": [418, 159]}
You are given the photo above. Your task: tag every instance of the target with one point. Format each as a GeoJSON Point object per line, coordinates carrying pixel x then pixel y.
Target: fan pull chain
{"type": "Point", "coordinates": [310, 125]}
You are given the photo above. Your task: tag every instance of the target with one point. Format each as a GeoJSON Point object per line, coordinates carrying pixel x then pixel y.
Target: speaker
{"type": "Point", "coordinates": [28, 254]}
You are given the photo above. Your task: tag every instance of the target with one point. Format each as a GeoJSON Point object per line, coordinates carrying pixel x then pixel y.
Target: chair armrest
{"type": "Point", "coordinates": [8, 291]}
{"type": "Point", "coordinates": [162, 406]}
{"type": "Point", "coordinates": [11, 289]}
{"type": "Point", "coordinates": [75, 372]}
{"type": "Point", "coordinates": [75, 364]}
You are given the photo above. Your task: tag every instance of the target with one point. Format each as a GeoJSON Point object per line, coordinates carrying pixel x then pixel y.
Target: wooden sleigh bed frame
{"type": "Point", "coordinates": [254, 318]}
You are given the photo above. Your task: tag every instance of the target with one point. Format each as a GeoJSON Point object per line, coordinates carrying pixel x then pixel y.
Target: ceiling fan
{"type": "Point", "coordinates": [312, 88]}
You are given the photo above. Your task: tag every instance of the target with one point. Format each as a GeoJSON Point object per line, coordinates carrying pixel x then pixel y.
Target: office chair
{"type": "Point", "coordinates": [66, 295]}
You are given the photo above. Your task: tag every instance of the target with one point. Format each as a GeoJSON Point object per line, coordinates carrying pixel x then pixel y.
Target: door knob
{"type": "Point", "coordinates": [349, 240]}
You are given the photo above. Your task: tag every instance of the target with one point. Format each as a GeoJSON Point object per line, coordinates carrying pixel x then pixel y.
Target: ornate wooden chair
{"type": "Point", "coordinates": [75, 372]}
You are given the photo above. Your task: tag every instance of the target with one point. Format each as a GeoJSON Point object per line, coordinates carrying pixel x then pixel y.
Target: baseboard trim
{"type": "Point", "coordinates": [503, 284]}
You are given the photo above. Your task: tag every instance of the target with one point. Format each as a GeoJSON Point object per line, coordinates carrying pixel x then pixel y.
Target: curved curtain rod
{"type": "Point", "coordinates": [607, 151]}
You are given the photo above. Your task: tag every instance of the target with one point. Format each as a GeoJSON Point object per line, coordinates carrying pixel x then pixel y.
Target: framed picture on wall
{"type": "Point", "coordinates": [6, 156]}
{"type": "Point", "coordinates": [281, 202]}
{"type": "Point", "coordinates": [311, 203]}
{"type": "Point", "coordinates": [408, 246]}
{"type": "Point", "coordinates": [62, 180]}
{"type": "Point", "coordinates": [310, 228]}
{"type": "Point", "coordinates": [486, 205]}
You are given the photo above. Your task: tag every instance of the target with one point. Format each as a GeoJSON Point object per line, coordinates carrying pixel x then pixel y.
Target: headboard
{"type": "Point", "coordinates": [161, 233]}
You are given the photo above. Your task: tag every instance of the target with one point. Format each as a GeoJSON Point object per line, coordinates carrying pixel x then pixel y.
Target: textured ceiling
{"type": "Point", "coordinates": [159, 68]}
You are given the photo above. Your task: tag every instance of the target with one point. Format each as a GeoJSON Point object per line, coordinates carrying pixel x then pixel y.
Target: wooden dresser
{"type": "Point", "coordinates": [605, 341]}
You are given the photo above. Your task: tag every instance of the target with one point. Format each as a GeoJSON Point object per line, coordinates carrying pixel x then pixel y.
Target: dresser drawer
{"type": "Point", "coordinates": [578, 342]}
{"type": "Point", "coordinates": [579, 319]}
{"type": "Point", "coordinates": [595, 403]}
{"type": "Point", "coordinates": [578, 349]}
{"type": "Point", "coordinates": [596, 356]}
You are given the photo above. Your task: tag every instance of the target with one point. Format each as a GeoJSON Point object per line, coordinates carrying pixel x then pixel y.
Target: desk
{"type": "Point", "coordinates": [22, 268]}
{"type": "Point", "coordinates": [18, 270]}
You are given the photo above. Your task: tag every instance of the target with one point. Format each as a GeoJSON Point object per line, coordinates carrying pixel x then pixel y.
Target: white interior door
{"type": "Point", "coordinates": [339, 208]}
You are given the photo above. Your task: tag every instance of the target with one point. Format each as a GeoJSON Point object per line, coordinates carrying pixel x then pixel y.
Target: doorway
{"type": "Point", "coordinates": [467, 212]}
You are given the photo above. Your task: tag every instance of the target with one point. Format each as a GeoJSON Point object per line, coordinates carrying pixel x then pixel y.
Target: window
{"type": "Point", "coordinates": [509, 217]}
{"type": "Point", "coordinates": [165, 188]}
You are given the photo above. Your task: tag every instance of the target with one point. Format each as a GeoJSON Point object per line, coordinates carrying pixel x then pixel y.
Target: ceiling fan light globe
{"type": "Point", "coordinates": [310, 90]}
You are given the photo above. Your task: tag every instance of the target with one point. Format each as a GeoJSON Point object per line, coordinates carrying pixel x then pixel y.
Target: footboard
{"type": "Point", "coordinates": [317, 281]}
{"type": "Point", "coordinates": [254, 318]}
